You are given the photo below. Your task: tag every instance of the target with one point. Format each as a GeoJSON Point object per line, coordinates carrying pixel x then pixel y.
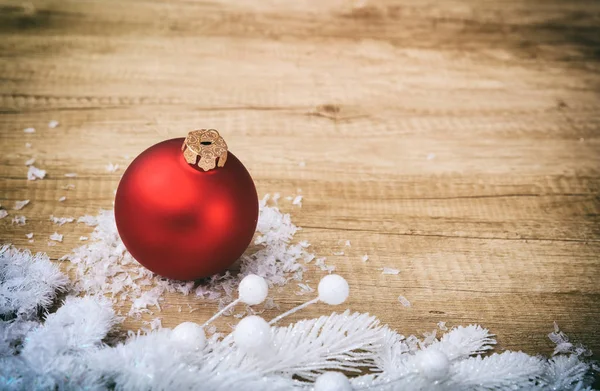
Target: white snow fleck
{"type": "Point", "coordinates": [302, 164]}
{"type": "Point", "coordinates": [442, 326]}
{"type": "Point", "coordinates": [70, 186]}
{"type": "Point", "coordinates": [112, 167]}
{"type": "Point", "coordinates": [3, 213]}
{"type": "Point", "coordinates": [71, 174]}
{"type": "Point", "coordinates": [83, 238]}
{"type": "Point", "coordinates": [29, 130]}
{"type": "Point", "coordinates": [297, 201]}
{"type": "Point", "coordinates": [29, 235]}
{"type": "Point", "coordinates": [31, 240]}
{"type": "Point", "coordinates": [62, 199]}
{"type": "Point", "coordinates": [430, 156]}
{"type": "Point", "coordinates": [61, 220]}
{"type": "Point", "coordinates": [53, 124]}
{"type": "Point", "coordinates": [103, 266]}
{"type": "Point", "coordinates": [56, 237]}
{"type": "Point", "coordinates": [29, 162]}
{"type": "Point", "coordinates": [348, 243]}
{"type": "Point", "coordinates": [51, 244]}
{"type": "Point", "coordinates": [364, 258]}
{"type": "Point", "coordinates": [404, 301]}
{"type": "Point", "coordinates": [305, 288]}
{"type": "Point", "coordinates": [92, 221]}
{"type": "Point", "coordinates": [35, 173]}
{"type": "Point", "coordinates": [389, 270]}
{"type": "Point", "coordinates": [19, 220]}
{"type": "Point", "coordinates": [338, 253]}
{"type": "Point", "coordinates": [27, 145]}
{"type": "Point", "coordinates": [20, 204]}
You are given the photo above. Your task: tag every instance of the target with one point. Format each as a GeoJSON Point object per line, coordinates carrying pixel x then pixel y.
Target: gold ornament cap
{"type": "Point", "coordinates": [206, 144]}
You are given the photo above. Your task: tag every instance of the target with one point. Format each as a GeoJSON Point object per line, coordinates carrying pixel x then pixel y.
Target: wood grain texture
{"type": "Point", "coordinates": [457, 141]}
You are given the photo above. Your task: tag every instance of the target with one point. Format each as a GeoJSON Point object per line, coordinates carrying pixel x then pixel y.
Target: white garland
{"type": "Point", "coordinates": [69, 350]}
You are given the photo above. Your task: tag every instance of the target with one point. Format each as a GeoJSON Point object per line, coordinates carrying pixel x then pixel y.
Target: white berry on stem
{"type": "Point", "coordinates": [253, 289]}
{"type": "Point", "coordinates": [252, 334]}
{"type": "Point", "coordinates": [433, 364]}
{"type": "Point", "coordinates": [333, 289]}
{"type": "Point", "coordinates": [189, 335]}
{"type": "Point", "coordinates": [332, 381]}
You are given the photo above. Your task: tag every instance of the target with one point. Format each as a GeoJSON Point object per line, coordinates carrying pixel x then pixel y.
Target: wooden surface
{"type": "Point", "coordinates": [456, 141]}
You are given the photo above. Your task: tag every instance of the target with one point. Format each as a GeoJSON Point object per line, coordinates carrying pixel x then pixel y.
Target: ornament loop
{"type": "Point", "coordinates": [206, 144]}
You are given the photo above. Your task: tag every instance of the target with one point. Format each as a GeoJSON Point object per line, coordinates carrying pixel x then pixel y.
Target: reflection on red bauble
{"type": "Point", "coordinates": [180, 221]}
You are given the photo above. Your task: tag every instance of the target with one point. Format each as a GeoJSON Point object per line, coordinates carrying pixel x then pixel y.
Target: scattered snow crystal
{"type": "Point", "coordinates": [365, 258]}
{"type": "Point", "coordinates": [389, 270]}
{"type": "Point", "coordinates": [29, 235]}
{"type": "Point", "coordinates": [71, 175]}
{"type": "Point", "coordinates": [53, 124]}
{"type": "Point", "coordinates": [56, 237]}
{"type": "Point", "coordinates": [20, 204]}
{"type": "Point", "coordinates": [19, 220]}
{"type": "Point", "coordinates": [3, 213]}
{"type": "Point", "coordinates": [35, 173]}
{"type": "Point", "coordinates": [297, 200]}
{"type": "Point", "coordinates": [404, 301]}
{"type": "Point", "coordinates": [104, 266]}
{"type": "Point", "coordinates": [61, 220]}
{"type": "Point", "coordinates": [112, 167]}
{"type": "Point", "coordinates": [29, 130]}
{"type": "Point", "coordinates": [29, 162]}
{"type": "Point", "coordinates": [62, 199]}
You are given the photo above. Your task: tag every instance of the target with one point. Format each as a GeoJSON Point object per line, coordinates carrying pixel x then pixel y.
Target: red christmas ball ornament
{"type": "Point", "coordinates": [187, 208]}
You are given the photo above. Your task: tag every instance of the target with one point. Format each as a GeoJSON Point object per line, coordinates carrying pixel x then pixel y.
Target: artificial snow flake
{"type": "Point", "coordinates": [71, 175]}
{"type": "Point", "coordinates": [92, 221]}
{"type": "Point", "coordinates": [338, 253]}
{"type": "Point", "coordinates": [302, 164]}
{"type": "Point", "coordinates": [27, 145]}
{"type": "Point", "coordinates": [389, 270]}
{"type": "Point", "coordinates": [61, 220]}
{"type": "Point", "coordinates": [29, 235]}
{"type": "Point", "coordinates": [62, 199]}
{"type": "Point", "coordinates": [56, 237]}
{"type": "Point", "coordinates": [69, 186]}
{"type": "Point", "coordinates": [29, 162]}
{"type": "Point", "coordinates": [348, 243]}
{"type": "Point", "coordinates": [3, 213]}
{"type": "Point", "coordinates": [52, 124]}
{"type": "Point", "coordinates": [404, 301]}
{"type": "Point", "coordinates": [34, 173]}
{"type": "Point", "coordinates": [364, 258]}
{"type": "Point", "coordinates": [112, 167]}
{"type": "Point", "coordinates": [442, 326]}
{"type": "Point", "coordinates": [297, 200]}
{"type": "Point", "coordinates": [430, 156]}
{"type": "Point", "coordinates": [20, 204]}
{"type": "Point", "coordinates": [83, 238]}
{"type": "Point", "coordinates": [19, 220]}
{"type": "Point", "coordinates": [29, 130]}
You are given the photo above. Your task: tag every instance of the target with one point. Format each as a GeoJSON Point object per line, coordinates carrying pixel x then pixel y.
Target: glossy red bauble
{"type": "Point", "coordinates": [182, 222]}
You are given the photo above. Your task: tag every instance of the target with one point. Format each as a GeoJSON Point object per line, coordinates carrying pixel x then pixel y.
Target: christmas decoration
{"type": "Point", "coordinates": [71, 350]}
{"type": "Point", "coordinates": [187, 215]}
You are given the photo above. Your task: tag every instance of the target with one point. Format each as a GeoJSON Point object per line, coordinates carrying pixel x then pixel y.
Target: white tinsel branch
{"type": "Point", "coordinates": [68, 352]}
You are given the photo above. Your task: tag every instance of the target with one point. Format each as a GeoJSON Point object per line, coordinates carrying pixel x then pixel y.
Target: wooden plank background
{"type": "Point", "coordinates": [457, 141]}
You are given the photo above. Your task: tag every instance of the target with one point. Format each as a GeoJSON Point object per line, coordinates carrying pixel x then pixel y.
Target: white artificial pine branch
{"type": "Point", "coordinates": [67, 352]}
{"type": "Point", "coordinates": [463, 342]}
{"type": "Point", "coordinates": [497, 372]}
{"type": "Point", "coordinates": [28, 282]}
